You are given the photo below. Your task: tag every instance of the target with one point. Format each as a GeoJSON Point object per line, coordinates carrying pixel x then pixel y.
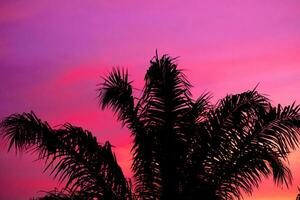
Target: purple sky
{"type": "Point", "coordinates": [52, 54]}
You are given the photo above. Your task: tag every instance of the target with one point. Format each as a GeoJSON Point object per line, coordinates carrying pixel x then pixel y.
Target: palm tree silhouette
{"type": "Point", "coordinates": [183, 149]}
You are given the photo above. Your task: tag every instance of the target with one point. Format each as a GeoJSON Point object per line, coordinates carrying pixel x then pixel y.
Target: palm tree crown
{"type": "Point", "coordinates": [183, 148]}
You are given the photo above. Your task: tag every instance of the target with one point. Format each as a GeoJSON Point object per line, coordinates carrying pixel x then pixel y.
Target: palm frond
{"type": "Point", "coordinates": [164, 102]}
{"type": "Point", "coordinates": [260, 145]}
{"type": "Point", "coordinates": [116, 93]}
{"type": "Point", "coordinates": [72, 154]}
{"type": "Point", "coordinates": [64, 195]}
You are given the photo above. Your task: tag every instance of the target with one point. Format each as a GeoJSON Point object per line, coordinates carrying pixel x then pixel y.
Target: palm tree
{"type": "Point", "coordinates": [182, 148]}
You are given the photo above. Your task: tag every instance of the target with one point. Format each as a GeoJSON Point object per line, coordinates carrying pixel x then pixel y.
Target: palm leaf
{"type": "Point", "coordinates": [165, 101]}
{"type": "Point", "coordinates": [74, 153]}
{"type": "Point", "coordinates": [116, 92]}
{"type": "Point", "coordinates": [253, 141]}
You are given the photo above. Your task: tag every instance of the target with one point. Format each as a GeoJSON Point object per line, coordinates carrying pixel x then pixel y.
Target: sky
{"type": "Point", "coordinates": [54, 52]}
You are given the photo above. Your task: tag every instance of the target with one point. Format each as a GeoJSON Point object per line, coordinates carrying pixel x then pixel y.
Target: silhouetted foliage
{"type": "Point", "coordinates": [63, 195]}
{"type": "Point", "coordinates": [73, 155]}
{"type": "Point", "coordinates": [183, 149]}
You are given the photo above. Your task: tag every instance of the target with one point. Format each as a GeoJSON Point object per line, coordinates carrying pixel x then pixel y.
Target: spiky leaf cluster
{"type": "Point", "coordinates": [183, 148]}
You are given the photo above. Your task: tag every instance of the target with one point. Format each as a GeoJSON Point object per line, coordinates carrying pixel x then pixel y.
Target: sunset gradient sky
{"type": "Point", "coordinates": [52, 54]}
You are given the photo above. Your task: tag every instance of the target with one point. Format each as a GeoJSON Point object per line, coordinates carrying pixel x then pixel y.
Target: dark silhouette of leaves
{"type": "Point", "coordinates": [183, 149]}
{"type": "Point", "coordinates": [71, 153]}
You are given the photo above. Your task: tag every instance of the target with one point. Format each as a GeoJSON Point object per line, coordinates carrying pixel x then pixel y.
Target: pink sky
{"type": "Point", "coordinates": [52, 54]}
